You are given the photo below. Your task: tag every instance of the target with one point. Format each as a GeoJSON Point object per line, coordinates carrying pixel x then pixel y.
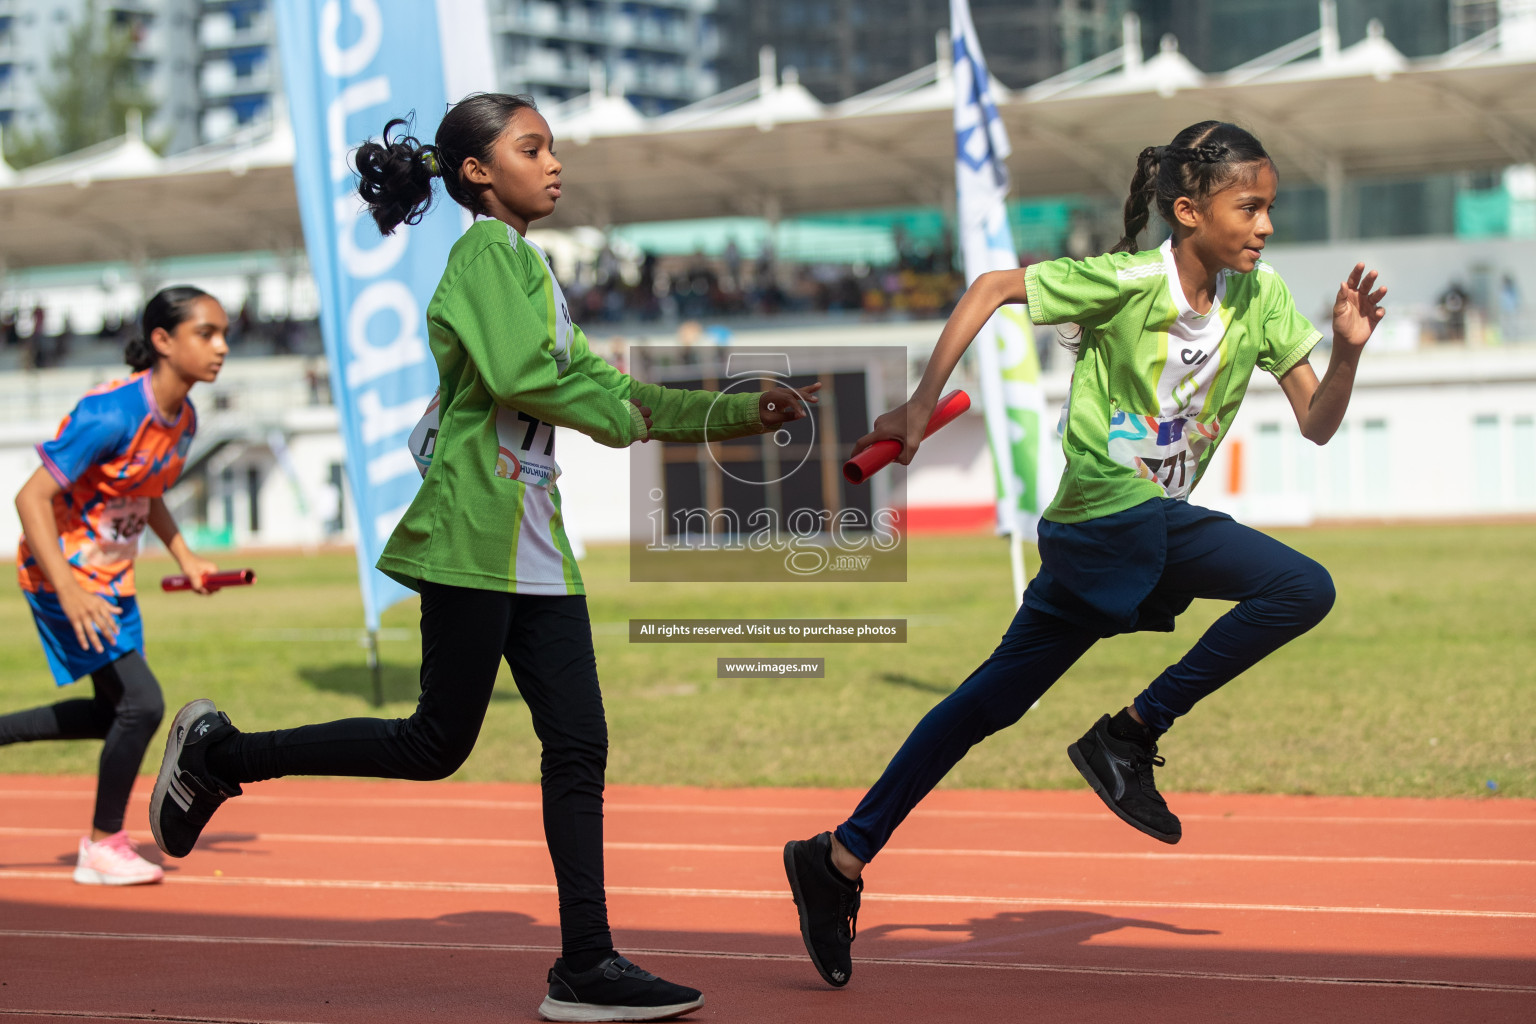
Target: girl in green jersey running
{"type": "Point", "coordinates": [483, 540]}
{"type": "Point", "coordinates": [1169, 338]}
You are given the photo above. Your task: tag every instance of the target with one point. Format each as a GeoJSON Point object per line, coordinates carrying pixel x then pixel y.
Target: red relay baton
{"type": "Point", "coordinates": [212, 580]}
{"type": "Point", "coordinates": [882, 453]}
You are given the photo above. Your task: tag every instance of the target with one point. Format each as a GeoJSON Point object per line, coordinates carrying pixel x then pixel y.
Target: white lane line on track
{"type": "Point", "coordinates": [538, 844]}
{"type": "Point", "coordinates": [169, 1017]}
{"type": "Point", "coordinates": [613, 806]}
{"type": "Point", "coordinates": [775, 894]}
{"type": "Point", "coordinates": [1135, 972]}
{"type": "Point", "coordinates": [109, 1015]}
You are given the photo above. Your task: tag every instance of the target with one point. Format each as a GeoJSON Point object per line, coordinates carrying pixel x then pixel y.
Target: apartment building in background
{"type": "Point", "coordinates": [207, 67]}
{"type": "Point", "coordinates": [659, 53]}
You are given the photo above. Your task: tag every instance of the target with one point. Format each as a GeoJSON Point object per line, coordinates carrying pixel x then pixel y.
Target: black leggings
{"type": "Point", "coordinates": [125, 713]}
{"type": "Point", "coordinates": [547, 642]}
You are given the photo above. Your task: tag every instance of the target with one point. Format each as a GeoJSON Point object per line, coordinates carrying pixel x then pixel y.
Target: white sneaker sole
{"type": "Point", "coordinates": [556, 1009]}
{"type": "Point", "coordinates": [90, 876]}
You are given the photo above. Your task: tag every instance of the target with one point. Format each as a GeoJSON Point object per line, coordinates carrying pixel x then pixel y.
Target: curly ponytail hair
{"type": "Point", "coordinates": [168, 310]}
{"type": "Point", "coordinates": [1201, 160]}
{"type": "Point", "coordinates": [395, 175]}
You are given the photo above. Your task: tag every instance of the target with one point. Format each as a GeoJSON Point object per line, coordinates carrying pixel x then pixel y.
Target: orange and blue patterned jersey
{"type": "Point", "coordinates": [113, 453]}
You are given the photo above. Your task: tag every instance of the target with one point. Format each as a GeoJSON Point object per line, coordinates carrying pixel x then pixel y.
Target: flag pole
{"type": "Point", "coordinates": [1007, 365]}
{"type": "Point", "coordinates": [1016, 558]}
{"type": "Point", "coordinates": [376, 667]}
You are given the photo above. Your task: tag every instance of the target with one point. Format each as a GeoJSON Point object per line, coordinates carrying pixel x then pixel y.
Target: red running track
{"type": "Point", "coordinates": [344, 901]}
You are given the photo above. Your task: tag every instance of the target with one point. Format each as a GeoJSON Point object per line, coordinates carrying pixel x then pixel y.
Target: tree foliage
{"type": "Point", "coordinates": [96, 80]}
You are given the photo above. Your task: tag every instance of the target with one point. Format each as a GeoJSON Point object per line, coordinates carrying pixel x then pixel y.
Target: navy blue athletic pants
{"type": "Point", "coordinates": [1280, 594]}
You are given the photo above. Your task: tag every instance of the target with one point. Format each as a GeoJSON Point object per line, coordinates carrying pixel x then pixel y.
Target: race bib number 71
{"type": "Point", "coordinates": [1165, 451]}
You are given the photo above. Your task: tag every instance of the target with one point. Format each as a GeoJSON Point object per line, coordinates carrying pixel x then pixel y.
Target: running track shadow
{"type": "Point", "coordinates": [67, 860]}
{"type": "Point", "coordinates": [230, 842]}
{"type": "Point", "coordinates": [913, 683]}
{"type": "Point", "coordinates": [295, 962]}
{"type": "Point", "coordinates": [401, 682]}
{"type": "Point", "coordinates": [1008, 934]}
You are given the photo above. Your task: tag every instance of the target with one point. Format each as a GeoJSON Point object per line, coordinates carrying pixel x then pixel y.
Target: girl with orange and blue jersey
{"type": "Point", "coordinates": [83, 512]}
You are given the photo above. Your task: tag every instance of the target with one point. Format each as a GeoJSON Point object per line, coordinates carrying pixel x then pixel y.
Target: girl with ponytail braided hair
{"type": "Point", "coordinates": [1169, 339]}
{"type": "Point", "coordinates": [483, 541]}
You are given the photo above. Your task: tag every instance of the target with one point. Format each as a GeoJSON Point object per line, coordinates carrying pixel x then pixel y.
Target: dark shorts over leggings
{"type": "Point", "coordinates": [1134, 570]}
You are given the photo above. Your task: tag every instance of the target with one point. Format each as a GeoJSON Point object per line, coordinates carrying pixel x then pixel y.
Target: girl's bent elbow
{"type": "Point", "coordinates": [31, 496]}
{"type": "Point", "coordinates": [1318, 433]}
{"type": "Point", "coordinates": [998, 286]}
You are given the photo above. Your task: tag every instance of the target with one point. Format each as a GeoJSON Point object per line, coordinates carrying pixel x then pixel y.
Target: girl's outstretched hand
{"type": "Point", "coordinates": [784, 405]}
{"type": "Point", "coordinates": [904, 424]}
{"type": "Point", "coordinates": [1357, 310]}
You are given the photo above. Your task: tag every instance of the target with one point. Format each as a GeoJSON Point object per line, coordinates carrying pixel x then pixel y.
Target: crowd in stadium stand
{"type": "Point", "coordinates": [28, 344]}
{"type": "Point", "coordinates": [650, 291]}
{"type": "Point", "coordinates": [918, 284]}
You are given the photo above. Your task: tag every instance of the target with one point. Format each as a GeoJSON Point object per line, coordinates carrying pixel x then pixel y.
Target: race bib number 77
{"type": "Point", "coordinates": [525, 448]}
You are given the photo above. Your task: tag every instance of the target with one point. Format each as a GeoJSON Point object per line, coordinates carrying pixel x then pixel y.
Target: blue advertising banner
{"type": "Point", "coordinates": [348, 67]}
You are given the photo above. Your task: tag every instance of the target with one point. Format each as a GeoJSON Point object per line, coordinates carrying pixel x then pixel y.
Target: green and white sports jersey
{"type": "Point", "coordinates": [1156, 385]}
{"type": "Point", "coordinates": [511, 367]}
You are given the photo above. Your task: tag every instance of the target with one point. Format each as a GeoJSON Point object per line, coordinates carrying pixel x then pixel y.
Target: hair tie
{"type": "Point", "coordinates": [429, 158]}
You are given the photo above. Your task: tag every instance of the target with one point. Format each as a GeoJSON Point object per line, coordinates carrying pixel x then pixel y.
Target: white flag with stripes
{"type": "Point", "coordinates": [1005, 349]}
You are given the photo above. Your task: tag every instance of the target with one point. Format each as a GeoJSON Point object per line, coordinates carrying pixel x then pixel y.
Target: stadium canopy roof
{"type": "Point", "coordinates": [768, 148]}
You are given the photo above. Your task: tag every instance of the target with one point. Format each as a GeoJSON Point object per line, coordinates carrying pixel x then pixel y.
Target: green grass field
{"type": "Point", "coordinates": [1418, 684]}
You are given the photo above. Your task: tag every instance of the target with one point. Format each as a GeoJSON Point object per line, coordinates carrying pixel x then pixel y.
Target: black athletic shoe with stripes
{"type": "Point", "coordinates": [1120, 771]}
{"type": "Point", "coordinates": [185, 795]}
{"type": "Point", "coordinates": [828, 904]}
{"type": "Point", "coordinates": [615, 989]}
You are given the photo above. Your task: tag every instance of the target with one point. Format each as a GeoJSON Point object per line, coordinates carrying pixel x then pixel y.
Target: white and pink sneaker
{"type": "Point", "coordinates": [114, 860]}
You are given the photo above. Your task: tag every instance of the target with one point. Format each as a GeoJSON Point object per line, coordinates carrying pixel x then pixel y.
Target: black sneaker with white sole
{"type": "Point", "coordinates": [828, 904]}
{"type": "Point", "coordinates": [615, 989]}
{"type": "Point", "coordinates": [185, 795]}
{"type": "Point", "coordinates": [1120, 771]}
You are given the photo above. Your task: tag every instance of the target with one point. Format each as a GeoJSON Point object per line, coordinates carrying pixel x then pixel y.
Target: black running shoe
{"type": "Point", "coordinates": [193, 794]}
{"type": "Point", "coordinates": [828, 904]}
{"type": "Point", "coordinates": [1120, 771]}
{"type": "Point", "coordinates": [615, 989]}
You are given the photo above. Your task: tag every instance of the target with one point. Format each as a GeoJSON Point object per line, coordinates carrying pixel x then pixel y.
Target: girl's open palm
{"type": "Point", "coordinates": [1357, 309]}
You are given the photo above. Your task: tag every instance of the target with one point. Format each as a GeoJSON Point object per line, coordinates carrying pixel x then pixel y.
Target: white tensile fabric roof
{"type": "Point", "coordinates": [121, 201]}
{"type": "Point", "coordinates": [769, 148]}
